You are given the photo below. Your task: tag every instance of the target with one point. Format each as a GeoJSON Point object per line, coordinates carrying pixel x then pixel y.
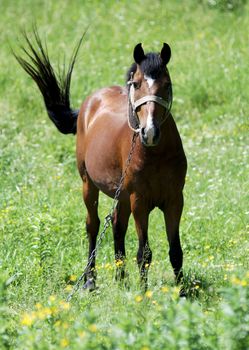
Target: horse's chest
{"type": "Point", "coordinates": [152, 182]}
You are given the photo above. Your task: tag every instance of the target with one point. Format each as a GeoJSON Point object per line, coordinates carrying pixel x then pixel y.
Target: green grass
{"type": "Point", "coordinates": [43, 240]}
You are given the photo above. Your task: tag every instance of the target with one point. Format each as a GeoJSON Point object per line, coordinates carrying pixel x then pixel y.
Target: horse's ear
{"type": "Point", "coordinates": [165, 53]}
{"type": "Point", "coordinates": [138, 53]}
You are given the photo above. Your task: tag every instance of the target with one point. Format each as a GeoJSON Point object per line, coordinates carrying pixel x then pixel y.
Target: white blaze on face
{"type": "Point", "coordinates": [149, 80]}
{"type": "Point", "coordinates": [150, 129]}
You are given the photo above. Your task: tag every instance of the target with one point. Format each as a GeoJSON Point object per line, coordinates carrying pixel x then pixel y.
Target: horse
{"type": "Point", "coordinates": [105, 126]}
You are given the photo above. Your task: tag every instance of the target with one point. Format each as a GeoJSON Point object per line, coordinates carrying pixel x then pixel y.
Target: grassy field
{"type": "Point", "coordinates": [43, 240]}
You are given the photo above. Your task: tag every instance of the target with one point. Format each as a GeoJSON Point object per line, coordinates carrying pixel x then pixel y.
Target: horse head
{"type": "Point", "coordinates": [150, 93]}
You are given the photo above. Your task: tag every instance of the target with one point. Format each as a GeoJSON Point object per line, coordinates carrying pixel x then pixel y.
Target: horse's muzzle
{"type": "Point", "coordinates": [150, 138]}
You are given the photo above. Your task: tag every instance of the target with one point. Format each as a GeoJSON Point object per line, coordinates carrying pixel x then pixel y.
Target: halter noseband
{"type": "Point", "coordinates": [148, 98]}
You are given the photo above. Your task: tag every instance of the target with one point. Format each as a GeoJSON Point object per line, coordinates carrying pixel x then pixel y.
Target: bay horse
{"type": "Point", "coordinates": [104, 126]}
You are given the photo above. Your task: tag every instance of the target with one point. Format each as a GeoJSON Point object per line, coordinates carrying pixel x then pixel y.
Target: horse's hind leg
{"type": "Point", "coordinates": [119, 226]}
{"type": "Point", "coordinates": [172, 215]}
{"type": "Point", "coordinates": [90, 196]}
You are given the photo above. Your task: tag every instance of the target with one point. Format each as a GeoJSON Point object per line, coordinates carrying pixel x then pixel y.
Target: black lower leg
{"type": "Point", "coordinates": [91, 275]}
{"type": "Point", "coordinates": [144, 258]}
{"type": "Point", "coordinates": [119, 225]}
{"type": "Point", "coordinates": [176, 258]}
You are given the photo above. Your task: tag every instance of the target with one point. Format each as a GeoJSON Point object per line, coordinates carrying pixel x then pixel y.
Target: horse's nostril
{"type": "Point", "coordinates": [143, 136]}
{"type": "Point", "coordinates": [143, 131]}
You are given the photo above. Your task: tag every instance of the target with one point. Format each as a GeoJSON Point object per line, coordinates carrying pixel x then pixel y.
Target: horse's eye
{"type": "Point", "coordinates": [136, 85]}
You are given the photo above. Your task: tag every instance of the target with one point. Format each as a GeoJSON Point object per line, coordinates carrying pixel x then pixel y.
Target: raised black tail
{"type": "Point", "coordinates": [55, 89]}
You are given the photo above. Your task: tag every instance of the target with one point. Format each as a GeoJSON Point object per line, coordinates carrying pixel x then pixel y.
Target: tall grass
{"type": "Point", "coordinates": [43, 240]}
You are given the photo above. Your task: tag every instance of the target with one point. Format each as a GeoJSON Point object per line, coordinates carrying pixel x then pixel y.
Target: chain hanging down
{"type": "Point", "coordinates": [107, 220]}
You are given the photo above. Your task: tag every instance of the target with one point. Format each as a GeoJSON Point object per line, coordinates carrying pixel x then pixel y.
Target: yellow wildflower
{"type": "Point", "coordinates": [43, 313]}
{"type": "Point", "coordinates": [64, 343]}
{"type": "Point", "coordinates": [64, 305]}
{"type": "Point", "coordinates": [243, 283]}
{"type": "Point", "coordinates": [54, 310]}
{"type": "Point", "coordinates": [38, 306]}
{"type": "Point", "coordinates": [47, 311]}
{"type": "Point", "coordinates": [68, 288]}
{"type": "Point", "coordinates": [235, 280]}
{"type": "Point", "coordinates": [73, 278]}
{"type": "Point", "coordinates": [52, 298]}
{"type": "Point", "coordinates": [165, 289]}
{"type": "Point", "coordinates": [119, 263]}
{"type": "Point", "coordinates": [107, 265]}
{"type": "Point", "coordinates": [138, 298]}
{"type": "Point", "coordinates": [27, 319]}
{"type": "Point", "coordinates": [148, 294]}
{"type": "Point", "coordinates": [93, 328]}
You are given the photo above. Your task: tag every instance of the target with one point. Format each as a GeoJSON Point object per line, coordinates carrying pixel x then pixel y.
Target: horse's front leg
{"type": "Point", "coordinates": [140, 213]}
{"type": "Point", "coordinates": [172, 215]}
{"type": "Point", "coordinates": [119, 226]}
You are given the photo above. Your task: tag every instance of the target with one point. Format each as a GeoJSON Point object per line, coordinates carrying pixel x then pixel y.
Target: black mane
{"type": "Point", "coordinates": [151, 66]}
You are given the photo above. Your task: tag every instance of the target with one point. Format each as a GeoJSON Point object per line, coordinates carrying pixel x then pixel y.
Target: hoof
{"type": "Point", "coordinates": [90, 285]}
{"type": "Point", "coordinates": [183, 293]}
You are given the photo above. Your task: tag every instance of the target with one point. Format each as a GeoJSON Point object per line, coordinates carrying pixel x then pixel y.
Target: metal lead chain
{"type": "Point", "coordinates": [107, 221]}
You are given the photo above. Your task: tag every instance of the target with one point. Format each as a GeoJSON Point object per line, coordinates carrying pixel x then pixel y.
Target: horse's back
{"type": "Point", "coordinates": [107, 105]}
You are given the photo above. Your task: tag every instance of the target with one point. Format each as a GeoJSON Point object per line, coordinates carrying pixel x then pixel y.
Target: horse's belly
{"type": "Point", "coordinates": [103, 163]}
{"type": "Point", "coordinates": [106, 179]}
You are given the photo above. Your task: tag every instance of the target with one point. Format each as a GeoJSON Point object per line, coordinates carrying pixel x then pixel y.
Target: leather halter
{"type": "Point", "coordinates": [148, 98]}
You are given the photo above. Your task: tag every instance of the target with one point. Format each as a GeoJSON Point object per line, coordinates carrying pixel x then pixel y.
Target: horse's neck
{"type": "Point", "coordinates": [170, 142]}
